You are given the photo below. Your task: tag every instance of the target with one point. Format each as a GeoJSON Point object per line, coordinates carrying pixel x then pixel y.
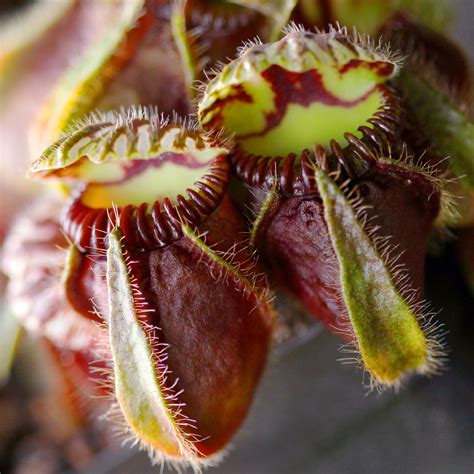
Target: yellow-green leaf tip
{"type": "Point", "coordinates": [392, 340]}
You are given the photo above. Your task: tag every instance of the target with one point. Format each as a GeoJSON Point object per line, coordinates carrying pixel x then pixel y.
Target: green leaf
{"type": "Point", "coordinates": [10, 333]}
{"type": "Point", "coordinates": [83, 83]}
{"type": "Point", "coordinates": [388, 336]}
{"type": "Point", "coordinates": [443, 123]}
{"type": "Point", "coordinates": [138, 385]}
{"type": "Point", "coordinates": [183, 42]}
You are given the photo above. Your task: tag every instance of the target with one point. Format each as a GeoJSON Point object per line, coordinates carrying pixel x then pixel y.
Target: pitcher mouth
{"type": "Point", "coordinates": [145, 176]}
{"type": "Point", "coordinates": [293, 174]}
{"type": "Point", "coordinates": [278, 101]}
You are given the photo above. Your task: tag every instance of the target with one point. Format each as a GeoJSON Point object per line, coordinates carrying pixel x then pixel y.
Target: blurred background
{"type": "Point", "coordinates": [311, 413]}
